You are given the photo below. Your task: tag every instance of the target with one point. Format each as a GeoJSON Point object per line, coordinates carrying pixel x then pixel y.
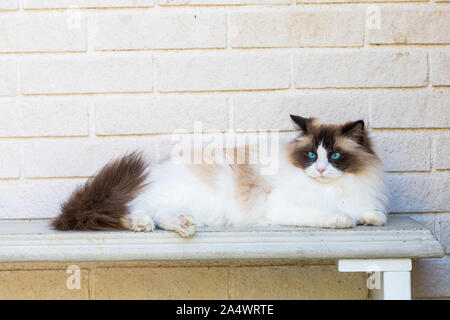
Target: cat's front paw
{"type": "Point", "coordinates": [340, 221]}
{"type": "Point", "coordinates": [373, 218]}
{"type": "Point", "coordinates": [186, 227]}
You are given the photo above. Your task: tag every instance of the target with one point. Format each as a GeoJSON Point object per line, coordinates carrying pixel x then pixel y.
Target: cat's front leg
{"type": "Point", "coordinates": [338, 221]}
{"type": "Point", "coordinates": [373, 218]}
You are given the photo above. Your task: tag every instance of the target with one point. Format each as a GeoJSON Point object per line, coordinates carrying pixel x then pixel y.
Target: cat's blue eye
{"type": "Point", "coordinates": [312, 155]}
{"type": "Point", "coordinates": [335, 155]}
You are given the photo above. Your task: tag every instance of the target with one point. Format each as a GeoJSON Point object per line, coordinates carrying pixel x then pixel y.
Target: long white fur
{"type": "Point", "coordinates": [177, 199]}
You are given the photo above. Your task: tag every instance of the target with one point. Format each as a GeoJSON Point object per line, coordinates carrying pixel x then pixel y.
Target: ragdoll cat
{"type": "Point", "coordinates": [328, 176]}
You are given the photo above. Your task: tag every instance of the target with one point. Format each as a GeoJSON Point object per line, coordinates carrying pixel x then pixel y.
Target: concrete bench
{"type": "Point", "coordinates": [385, 253]}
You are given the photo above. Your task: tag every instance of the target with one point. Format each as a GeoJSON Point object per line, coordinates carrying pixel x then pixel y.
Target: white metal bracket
{"type": "Point", "coordinates": [388, 279]}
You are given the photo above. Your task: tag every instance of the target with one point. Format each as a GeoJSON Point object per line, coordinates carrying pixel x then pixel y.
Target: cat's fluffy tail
{"type": "Point", "coordinates": [102, 202]}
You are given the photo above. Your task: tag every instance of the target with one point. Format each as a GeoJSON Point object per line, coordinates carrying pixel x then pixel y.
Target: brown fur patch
{"type": "Point", "coordinates": [249, 184]}
{"type": "Point", "coordinates": [206, 173]}
{"type": "Point", "coordinates": [101, 203]}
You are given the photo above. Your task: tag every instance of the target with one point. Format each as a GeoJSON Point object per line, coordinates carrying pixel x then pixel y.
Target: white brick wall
{"type": "Point", "coordinates": [173, 31]}
{"type": "Point", "coordinates": [8, 4]}
{"type": "Point", "coordinates": [41, 33]}
{"type": "Point", "coordinates": [82, 81]}
{"type": "Point", "coordinates": [296, 28]}
{"type": "Point", "coordinates": [8, 77]}
{"type": "Point", "coordinates": [223, 71]}
{"type": "Point", "coordinates": [360, 69]}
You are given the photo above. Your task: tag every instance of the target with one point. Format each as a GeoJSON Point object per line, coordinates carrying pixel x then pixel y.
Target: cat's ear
{"type": "Point", "coordinates": [354, 130]}
{"type": "Point", "coordinates": [302, 123]}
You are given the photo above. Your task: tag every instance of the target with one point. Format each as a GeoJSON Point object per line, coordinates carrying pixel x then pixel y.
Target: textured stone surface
{"type": "Point", "coordinates": [161, 283]}
{"type": "Point", "coordinates": [295, 282]}
{"type": "Point", "coordinates": [440, 68]}
{"type": "Point", "coordinates": [9, 5]}
{"type": "Point", "coordinates": [107, 74]}
{"type": "Point", "coordinates": [35, 117]}
{"type": "Point", "coordinates": [42, 4]}
{"type": "Point", "coordinates": [221, 2]}
{"type": "Point", "coordinates": [360, 70]}
{"type": "Point", "coordinates": [442, 155]}
{"type": "Point", "coordinates": [242, 71]}
{"type": "Point", "coordinates": [41, 284]}
{"type": "Point", "coordinates": [445, 233]}
{"type": "Point", "coordinates": [410, 109]}
{"type": "Point", "coordinates": [10, 159]}
{"type": "Point", "coordinates": [271, 111]}
{"type": "Point", "coordinates": [50, 32]}
{"type": "Point", "coordinates": [419, 192]}
{"type": "Point", "coordinates": [430, 278]}
{"type": "Point", "coordinates": [8, 77]}
{"type": "Point", "coordinates": [161, 31]}
{"type": "Point", "coordinates": [404, 152]}
{"type": "Point", "coordinates": [35, 199]}
{"type": "Point", "coordinates": [288, 28]}
{"type": "Point", "coordinates": [419, 26]}
{"type": "Point", "coordinates": [77, 157]}
{"type": "Point", "coordinates": [351, 1]}
{"type": "Point", "coordinates": [161, 115]}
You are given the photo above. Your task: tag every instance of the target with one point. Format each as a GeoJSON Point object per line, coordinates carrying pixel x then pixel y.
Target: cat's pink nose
{"type": "Point", "coordinates": [321, 170]}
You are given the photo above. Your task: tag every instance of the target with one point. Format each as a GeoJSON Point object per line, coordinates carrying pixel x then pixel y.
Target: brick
{"type": "Point", "coordinates": [265, 111]}
{"type": "Point", "coordinates": [161, 31]}
{"type": "Point", "coordinates": [9, 5]}
{"type": "Point", "coordinates": [35, 198]}
{"type": "Point", "coordinates": [351, 1]}
{"type": "Point", "coordinates": [161, 283]}
{"type": "Point", "coordinates": [8, 77]}
{"type": "Point", "coordinates": [403, 152]}
{"type": "Point", "coordinates": [9, 159]}
{"type": "Point", "coordinates": [29, 118]}
{"type": "Point", "coordinates": [419, 192]}
{"type": "Point", "coordinates": [216, 72]}
{"type": "Point", "coordinates": [107, 74]}
{"type": "Point", "coordinates": [221, 2]}
{"type": "Point", "coordinates": [42, 33]}
{"type": "Point", "coordinates": [43, 4]}
{"type": "Point", "coordinates": [442, 152]}
{"type": "Point", "coordinates": [41, 284]}
{"type": "Point", "coordinates": [287, 28]}
{"type": "Point", "coordinates": [161, 115]}
{"type": "Point", "coordinates": [445, 232]}
{"type": "Point", "coordinates": [410, 109]}
{"type": "Point", "coordinates": [360, 70]}
{"type": "Point", "coordinates": [78, 157]}
{"type": "Point", "coordinates": [412, 27]}
{"type": "Point", "coordinates": [430, 278]}
{"type": "Point", "coordinates": [298, 282]}
{"type": "Point", "coordinates": [440, 68]}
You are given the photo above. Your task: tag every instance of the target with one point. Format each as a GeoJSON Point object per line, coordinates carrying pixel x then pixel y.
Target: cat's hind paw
{"type": "Point", "coordinates": [139, 222]}
{"type": "Point", "coordinates": [373, 218]}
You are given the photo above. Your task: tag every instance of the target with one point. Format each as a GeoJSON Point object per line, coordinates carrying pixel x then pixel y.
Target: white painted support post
{"type": "Point", "coordinates": [390, 279]}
